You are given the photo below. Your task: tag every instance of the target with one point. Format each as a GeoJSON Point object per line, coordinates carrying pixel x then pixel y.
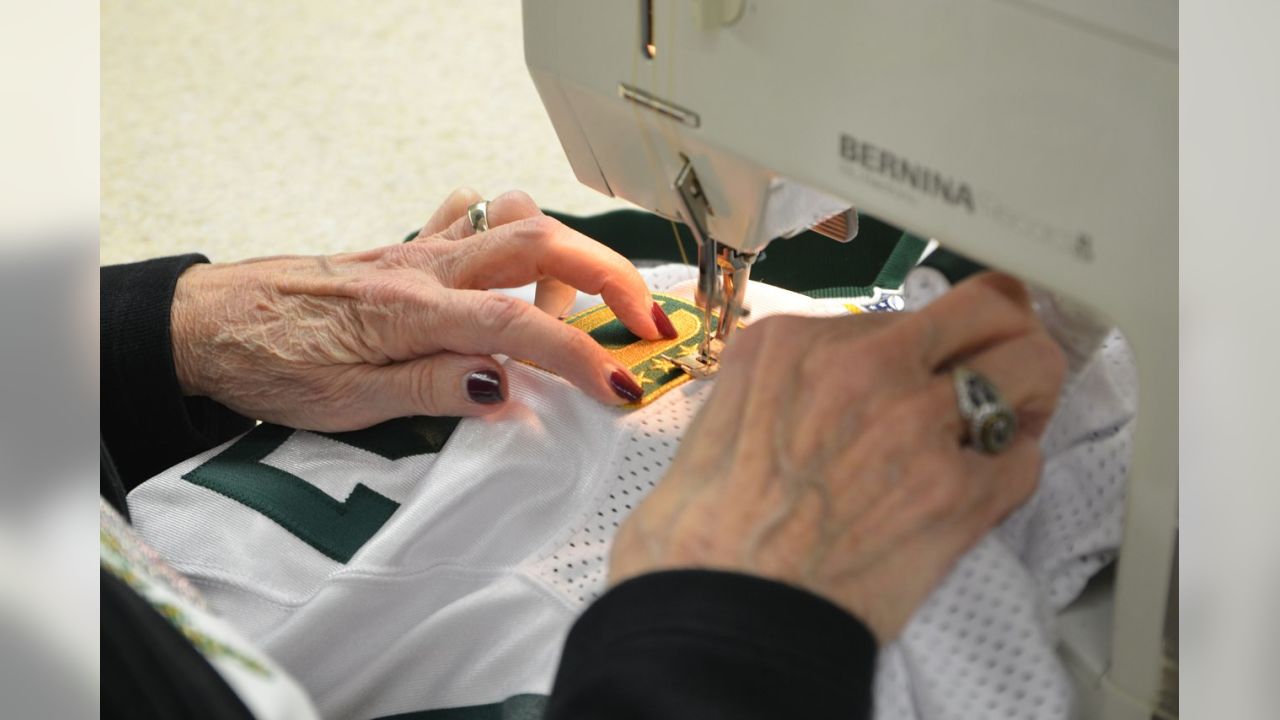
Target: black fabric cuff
{"type": "Point", "coordinates": [699, 643]}
{"type": "Point", "coordinates": [147, 425]}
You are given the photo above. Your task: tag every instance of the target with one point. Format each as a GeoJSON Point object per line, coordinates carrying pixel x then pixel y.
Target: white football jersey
{"type": "Point", "coordinates": [435, 563]}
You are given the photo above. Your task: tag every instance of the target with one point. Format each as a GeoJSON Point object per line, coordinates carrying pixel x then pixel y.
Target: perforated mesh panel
{"type": "Point", "coordinates": [983, 645]}
{"type": "Point", "coordinates": [578, 569]}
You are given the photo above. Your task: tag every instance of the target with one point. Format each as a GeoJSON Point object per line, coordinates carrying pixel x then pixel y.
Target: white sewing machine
{"type": "Point", "coordinates": [1036, 136]}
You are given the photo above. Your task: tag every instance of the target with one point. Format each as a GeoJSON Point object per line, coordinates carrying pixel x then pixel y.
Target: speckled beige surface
{"type": "Point", "coordinates": [312, 126]}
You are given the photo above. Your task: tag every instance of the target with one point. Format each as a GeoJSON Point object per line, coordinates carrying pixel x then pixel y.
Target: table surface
{"type": "Point", "coordinates": [313, 126]}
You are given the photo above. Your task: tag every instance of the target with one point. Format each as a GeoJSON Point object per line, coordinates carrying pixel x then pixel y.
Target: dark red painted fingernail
{"type": "Point", "coordinates": [485, 387]}
{"type": "Point", "coordinates": [664, 323]}
{"type": "Point", "coordinates": [625, 387]}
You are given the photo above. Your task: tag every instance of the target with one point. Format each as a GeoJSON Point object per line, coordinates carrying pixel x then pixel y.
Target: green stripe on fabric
{"type": "Point", "coordinates": [516, 707]}
{"type": "Point", "coordinates": [335, 528]}
{"type": "Point", "coordinates": [402, 437]}
{"type": "Point", "coordinates": [847, 291]}
{"type": "Point", "coordinates": [905, 255]}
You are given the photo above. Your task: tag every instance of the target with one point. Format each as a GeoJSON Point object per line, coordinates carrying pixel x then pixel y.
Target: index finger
{"type": "Point", "coordinates": [476, 322]}
{"type": "Point", "coordinates": [529, 250]}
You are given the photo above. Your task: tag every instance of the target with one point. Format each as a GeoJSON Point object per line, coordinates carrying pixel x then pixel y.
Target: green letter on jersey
{"type": "Point", "coordinates": [335, 528]}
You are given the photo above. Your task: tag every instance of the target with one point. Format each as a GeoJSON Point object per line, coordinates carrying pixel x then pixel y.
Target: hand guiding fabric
{"type": "Point", "coordinates": [346, 341]}
{"type": "Point", "coordinates": [829, 456]}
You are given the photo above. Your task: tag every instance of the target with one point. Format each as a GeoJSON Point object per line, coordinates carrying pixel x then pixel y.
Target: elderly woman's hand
{"type": "Point", "coordinates": [346, 341]}
{"type": "Point", "coordinates": [829, 454]}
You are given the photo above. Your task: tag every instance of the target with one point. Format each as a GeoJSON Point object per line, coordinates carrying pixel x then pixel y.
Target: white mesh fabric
{"type": "Point", "coordinates": [665, 277]}
{"type": "Point", "coordinates": [647, 443]}
{"type": "Point", "coordinates": [433, 610]}
{"type": "Point", "coordinates": [466, 593]}
{"type": "Point", "coordinates": [983, 644]}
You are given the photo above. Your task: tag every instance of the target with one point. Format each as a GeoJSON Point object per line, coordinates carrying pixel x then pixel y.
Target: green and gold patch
{"type": "Point", "coordinates": [649, 360]}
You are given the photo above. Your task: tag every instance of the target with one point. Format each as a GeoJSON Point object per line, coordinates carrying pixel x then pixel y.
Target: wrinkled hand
{"type": "Point", "coordinates": [346, 341]}
{"type": "Point", "coordinates": [829, 454]}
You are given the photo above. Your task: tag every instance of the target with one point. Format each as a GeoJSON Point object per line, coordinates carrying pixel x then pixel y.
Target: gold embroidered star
{"type": "Point", "coordinates": [649, 376]}
{"type": "Point", "coordinates": [688, 348]}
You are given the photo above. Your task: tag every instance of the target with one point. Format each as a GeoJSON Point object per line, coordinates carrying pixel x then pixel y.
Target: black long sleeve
{"type": "Point", "coordinates": [147, 425]}
{"type": "Point", "coordinates": [704, 644]}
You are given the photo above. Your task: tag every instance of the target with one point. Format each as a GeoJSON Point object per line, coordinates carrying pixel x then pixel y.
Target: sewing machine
{"type": "Point", "coordinates": [1036, 136]}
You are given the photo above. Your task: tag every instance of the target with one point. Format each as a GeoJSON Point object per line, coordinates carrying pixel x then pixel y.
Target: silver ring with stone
{"type": "Point", "coordinates": [478, 214]}
{"type": "Point", "coordinates": [991, 424]}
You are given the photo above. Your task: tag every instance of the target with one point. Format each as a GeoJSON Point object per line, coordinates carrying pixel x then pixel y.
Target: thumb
{"type": "Point", "coordinates": [445, 384]}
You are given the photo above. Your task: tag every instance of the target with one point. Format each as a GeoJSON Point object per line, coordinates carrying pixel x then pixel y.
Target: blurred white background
{"type": "Point", "coordinates": [239, 129]}
{"type": "Point", "coordinates": [48, 347]}
{"type": "Point", "coordinates": [1230, 411]}
{"type": "Point", "coordinates": [48, 119]}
